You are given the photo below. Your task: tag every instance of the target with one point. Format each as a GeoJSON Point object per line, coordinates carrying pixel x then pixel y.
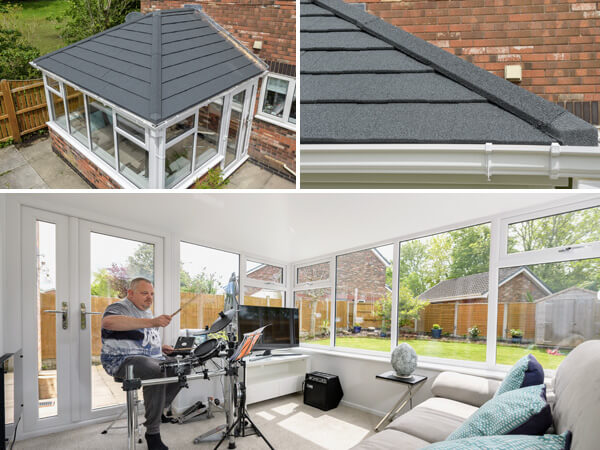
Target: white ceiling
{"type": "Point", "coordinates": [290, 226]}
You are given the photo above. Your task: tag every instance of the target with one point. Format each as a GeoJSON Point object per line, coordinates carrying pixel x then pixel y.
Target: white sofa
{"type": "Point", "coordinates": [575, 405]}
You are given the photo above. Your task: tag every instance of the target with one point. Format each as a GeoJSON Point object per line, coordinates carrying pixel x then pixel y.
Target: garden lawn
{"type": "Point", "coordinates": [34, 25]}
{"type": "Point", "coordinates": [468, 351]}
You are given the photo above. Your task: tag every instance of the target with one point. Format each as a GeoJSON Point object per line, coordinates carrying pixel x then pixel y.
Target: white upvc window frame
{"type": "Point", "coordinates": [271, 285]}
{"type": "Point", "coordinates": [284, 120]}
{"type": "Point", "coordinates": [155, 135]}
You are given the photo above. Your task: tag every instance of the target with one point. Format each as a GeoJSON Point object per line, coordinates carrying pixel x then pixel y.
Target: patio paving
{"type": "Point", "coordinates": [36, 166]}
{"type": "Point", "coordinates": [251, 176]}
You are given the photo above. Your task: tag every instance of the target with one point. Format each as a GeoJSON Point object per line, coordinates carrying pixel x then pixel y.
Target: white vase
{"type": "Point", "coordinates": [404, 360]}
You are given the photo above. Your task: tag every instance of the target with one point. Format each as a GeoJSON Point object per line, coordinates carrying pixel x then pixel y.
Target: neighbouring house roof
{"type": "Point", "coordinates": [474, 286]}
{"type": "Point", "coordinates": [366, 81]}
{"type": "Point", "coordinates": [156, 65]}
{"type": "Point", "coordinates": [568, 293]}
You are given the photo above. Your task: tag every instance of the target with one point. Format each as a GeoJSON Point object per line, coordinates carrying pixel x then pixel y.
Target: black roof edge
{"type": "Point", "coordinates": [553, 120]}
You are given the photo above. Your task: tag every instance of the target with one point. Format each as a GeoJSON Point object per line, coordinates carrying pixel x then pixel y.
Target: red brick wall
{"type": "Point", "coordinates": [80, 163]}
{"type": "Point", "coordinates": [362, 270]}
{"type": "Point", "coordinates": [556, 42]}
{"type": "Point", "coordinates": [516, 290]}
{"type": "Point", "coordinates": [274, 23]}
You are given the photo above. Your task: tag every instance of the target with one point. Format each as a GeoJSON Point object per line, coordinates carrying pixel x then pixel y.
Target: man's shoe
{"type": "Point", "coordinates": [154, 442]}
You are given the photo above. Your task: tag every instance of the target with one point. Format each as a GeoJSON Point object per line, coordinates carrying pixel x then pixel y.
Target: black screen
{"type": "Point", "coordinates": [282, 329]}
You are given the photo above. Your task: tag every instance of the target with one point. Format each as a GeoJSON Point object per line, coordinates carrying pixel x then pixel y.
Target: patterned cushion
{"type": "Point", "coordinates": [526, 372]}
{"type": "Point", "coordinates": [522, 411]}
{"type": "Point", "coordinates": [509, 442]}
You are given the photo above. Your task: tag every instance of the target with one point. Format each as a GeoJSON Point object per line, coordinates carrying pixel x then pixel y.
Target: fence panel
{"type": "Point", "coordinates": [22, 108]}
{"type": "Point", "coordinates": [469, 315]}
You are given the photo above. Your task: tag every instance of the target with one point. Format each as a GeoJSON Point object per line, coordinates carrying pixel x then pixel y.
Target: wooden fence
{"type": "Point", "coordinates": [22, 108]}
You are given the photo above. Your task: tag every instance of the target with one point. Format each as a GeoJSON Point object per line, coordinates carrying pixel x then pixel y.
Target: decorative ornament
{"type": "Point", "coordinates": [404, 360]}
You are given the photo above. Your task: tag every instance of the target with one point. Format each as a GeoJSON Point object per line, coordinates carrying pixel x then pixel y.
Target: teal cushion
{"type": "Point", "coordinates": [522, 411]}
{"type": "Point", "coordinates": [526, 372]}
{"type": "Point", "coordinates": [508, 442]}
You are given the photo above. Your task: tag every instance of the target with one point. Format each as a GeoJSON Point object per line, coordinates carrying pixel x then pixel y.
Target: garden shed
{"type": "Point", "coordinates": [568, 315]}
{"type": "Point", "coordinates": [154, 102]}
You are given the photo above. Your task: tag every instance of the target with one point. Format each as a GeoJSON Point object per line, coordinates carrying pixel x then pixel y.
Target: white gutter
{"type": "Point", "coordinates": [554, 161]}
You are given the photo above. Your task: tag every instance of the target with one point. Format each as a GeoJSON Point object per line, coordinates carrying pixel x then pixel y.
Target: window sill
{"type": "Point", "coordinates": [279, 123]}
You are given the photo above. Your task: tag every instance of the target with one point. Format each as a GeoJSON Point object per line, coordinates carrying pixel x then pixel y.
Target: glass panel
{"type": "Point", "coordinates": [8, 367]}
{"type": "Point", "coordinates": [178, 161]}
{"type": "Point", "coordinates": [54, 84]}
{"type": "Point", "coordinates": [442, 304]}
{"type": "Point", "coordinates": [58, 110]}
{"type": "Point", "coordinates": [314, 272]}
{"type": "Point", "coordinates": [576, 227]}
{"type": "Point", "coordinates": [255, 296]}
{"type": "Point", "coordinates": [132, 128]}
{"type": "Point", "coordinates": [314, 312]}
{"type": "Point", "coordinates": [292, 118]}
{"type": "Point", "coordinates": [77, 117]}
{"type": "Point", "coordinates": [274, 102]}
{"type": "Point", "coordinates": [364, 299]}
{"type": "Point", "coordinates": [264, 272]}
{"type": "Point", "coordinates": [209, 122]}
{"type": "Point", "coordinates": [203, 277]}
{"type": "Point", "coordinates": [101, 125]}
{"type": "Point", "coordinates": [46, 285]}
{"type": "Point", "coordinates": [133, 161]}
{"type": "Point", "coordinates": [235, 122]}
{"type": "Point", "coordinates": [547, 310]}
{"type": "Point", "coordinates": [180, 127]}
{"type": "Point", "coordinates": [114, 263]}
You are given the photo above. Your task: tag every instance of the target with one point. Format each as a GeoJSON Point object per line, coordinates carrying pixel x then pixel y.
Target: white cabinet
{"type": "Point", "coordinates": [275, 376]}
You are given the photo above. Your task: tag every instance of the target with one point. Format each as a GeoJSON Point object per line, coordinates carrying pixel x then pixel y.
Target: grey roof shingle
{"type": "Point", "coordinates": [476, 285]}
{"type": "Point", "coordinates": [473, 105]}
{"type": "Point", "coordinates": [156, 65]}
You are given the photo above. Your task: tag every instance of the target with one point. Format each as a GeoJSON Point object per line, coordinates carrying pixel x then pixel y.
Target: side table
{"type": "Point", "coordinates": [414, 383]}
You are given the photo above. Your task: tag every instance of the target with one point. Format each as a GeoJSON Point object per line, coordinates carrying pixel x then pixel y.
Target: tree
{"type": "Point", "coordinates": [409, 308]}
{"type": "Point", "coordinates": [470, 251]}
{"type": "Point", "coordinates": [85, 18]}
{"type": "Point", "coordinates": [111, 282]}
{"type": "Point", "coordinates": [15, 54]}
{"type": "Point", "coordinates": [141, 263]}
{"type": "Point", "coordinates": [201, 283]}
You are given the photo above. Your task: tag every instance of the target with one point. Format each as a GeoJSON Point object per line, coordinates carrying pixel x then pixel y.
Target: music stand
{"type": "Point", "coordinates": [243, 420]}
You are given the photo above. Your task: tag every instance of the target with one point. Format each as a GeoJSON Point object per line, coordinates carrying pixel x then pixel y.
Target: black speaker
{"type": "Point", "coordinates": [322, 390]}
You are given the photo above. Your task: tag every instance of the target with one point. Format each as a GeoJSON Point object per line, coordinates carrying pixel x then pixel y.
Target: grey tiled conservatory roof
{"type": "Point", "coordinates": [366, 81]}
{"type": "Point", "coordinates": [158, 64]}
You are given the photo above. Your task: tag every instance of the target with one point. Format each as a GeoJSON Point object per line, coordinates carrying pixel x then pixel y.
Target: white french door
{"type": "Point", "coordinates": [72, 269]}
{"type": "Point", "coordinates": [241, 107]}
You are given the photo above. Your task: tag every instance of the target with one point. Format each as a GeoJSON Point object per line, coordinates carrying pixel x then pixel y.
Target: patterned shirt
{"type": "Point", "coordinates": [118, 345]}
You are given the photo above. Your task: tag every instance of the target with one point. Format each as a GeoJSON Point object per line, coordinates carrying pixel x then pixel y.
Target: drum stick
{"type": "Point", "coordinates": [181, 307]}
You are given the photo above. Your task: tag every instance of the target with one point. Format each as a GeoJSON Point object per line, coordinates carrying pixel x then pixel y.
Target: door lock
{"type": "Point", "coordinates": [84, 313]}
{"type": "Point", "coordinates": [65, 314]}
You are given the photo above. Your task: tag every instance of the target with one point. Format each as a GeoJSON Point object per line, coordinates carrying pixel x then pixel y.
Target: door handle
{"type": "Point", "coordinates": [83, 314]}
{"type": "Point", "coordinates": [65, 314]}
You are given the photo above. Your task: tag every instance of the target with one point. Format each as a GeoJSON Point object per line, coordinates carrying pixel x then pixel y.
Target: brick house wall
{"type": "Point", "coordinates": [264, 273]}
{"type": "Point", "coordinates": [81, 164]}
{"type": "Point", "coordinates": [364, 271]}
{"type": "Point", "coordinates": [516, 290]}
{"type": "Point", "coordinates": [557, 43]}
{"type": "Point", "coordinates": [274, 23]}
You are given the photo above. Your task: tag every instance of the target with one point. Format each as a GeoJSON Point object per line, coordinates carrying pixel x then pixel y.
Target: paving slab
{"type": "Point", "coordinates": [10, 159]}
{"type": "Point", "coordinates": [22, 177]}
{"type": "Point", "coordinates": [251, 176]}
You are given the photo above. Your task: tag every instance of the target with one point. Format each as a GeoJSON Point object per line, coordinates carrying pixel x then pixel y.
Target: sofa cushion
{"type": "Point", "coordinates": [447, 415]}
{"type": "Point", "coordinates": [526, 372]}
{"type": "Point", "coordinates": [522, 411]}
{"type": "Point", "coordinates": [507, 442]}
{"type": "Point", "coordinates": [464, 388]}
{"type": "Point", "coordinates": [577, 390]}
{"type": "Point", "coordinates": [391, 440]}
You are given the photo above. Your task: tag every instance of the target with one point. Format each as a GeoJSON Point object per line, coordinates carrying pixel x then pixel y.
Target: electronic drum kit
{"type": "Point", "coordinates": [192, 366]}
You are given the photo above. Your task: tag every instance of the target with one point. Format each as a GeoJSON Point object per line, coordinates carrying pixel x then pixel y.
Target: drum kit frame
{"type": "Point", "coordinates": [181, 370]}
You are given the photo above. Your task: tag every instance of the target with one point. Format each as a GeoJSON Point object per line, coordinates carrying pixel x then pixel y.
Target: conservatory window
{"type": "Point", "coordinates": [133, 161]}
{"type": "Point", "coordinates": [131, 128]}
{"type": "Point", "coordinates": [180, 128]}
{"type": "Point", "coordinates": [235, 123]}
{"type": "Point", "coordinates": [178, 160]}
{"type": "Point", "coordinates": [264, 285]}
{"type": "Point", "coordinates": [77, 115]}
{"type": "Point", "coordinates": [101, 126]}
{"type": "Point", "coordinates": [314, 306]}
{"type": "Point", "coordinates": [207, 140]}
{"type": "Point", "coordinates": [58, 110]}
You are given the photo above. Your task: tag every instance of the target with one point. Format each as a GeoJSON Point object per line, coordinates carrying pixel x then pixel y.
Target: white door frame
{"type": "Point", "coordinates": [245, 120]}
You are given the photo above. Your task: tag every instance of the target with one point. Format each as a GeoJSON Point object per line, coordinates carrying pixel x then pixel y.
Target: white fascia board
{"type": "Point", "coordinates": [554, 161]}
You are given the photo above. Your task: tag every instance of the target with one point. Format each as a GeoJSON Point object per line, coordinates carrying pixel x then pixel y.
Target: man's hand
{"type": "Point", "coordinates": [167, 349]}
{"type": "Point", "coordinates": [161, 321]}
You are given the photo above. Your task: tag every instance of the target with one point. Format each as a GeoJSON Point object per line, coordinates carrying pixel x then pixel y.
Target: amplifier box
{"type": "Point", "coordinates": [322, 390]}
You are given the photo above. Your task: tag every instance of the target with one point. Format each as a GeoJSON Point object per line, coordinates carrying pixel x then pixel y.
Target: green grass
{"type": "Point", "coordinates": [33, 23]}
{"type": "Point", "coordinates": [506, 354]}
